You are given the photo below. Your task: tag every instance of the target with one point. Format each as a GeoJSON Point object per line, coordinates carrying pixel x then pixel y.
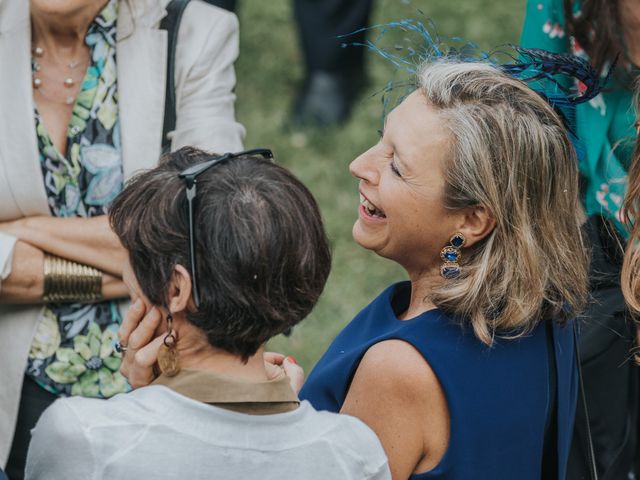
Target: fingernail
{"type": "Point", "coordinates": [291, 359]}
{"type": "Point", "coordinates": [138, 304]}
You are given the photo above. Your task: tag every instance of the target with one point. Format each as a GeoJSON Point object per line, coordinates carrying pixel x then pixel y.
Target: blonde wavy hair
{"type": "Point", "coordinates": [511, 154]}
{"type": "Point", "coordinates": [630, 280]}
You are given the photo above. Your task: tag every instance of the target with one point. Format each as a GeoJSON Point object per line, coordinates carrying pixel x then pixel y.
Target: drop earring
{"type": "Point", "coordinates": [168, 353]}
{"type": "Point", "coordinates": [451, 255]}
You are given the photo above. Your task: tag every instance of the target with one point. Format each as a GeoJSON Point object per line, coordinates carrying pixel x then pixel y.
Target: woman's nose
{"type": "Point", "coordinates": [365, 168]}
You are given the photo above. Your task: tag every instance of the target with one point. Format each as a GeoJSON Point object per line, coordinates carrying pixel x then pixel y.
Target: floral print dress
{"type": "Point", "coordinates": [604, 125]}
{"type": "Point", "coordinates": [73, 351]}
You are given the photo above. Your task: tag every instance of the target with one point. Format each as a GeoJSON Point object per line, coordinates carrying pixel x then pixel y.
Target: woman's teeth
{"type": "Point", "coordinates": [371, 208]}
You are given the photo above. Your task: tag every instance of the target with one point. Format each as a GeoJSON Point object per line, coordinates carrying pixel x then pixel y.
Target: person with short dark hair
{"type": "Point", "coordinates": [224, 253]}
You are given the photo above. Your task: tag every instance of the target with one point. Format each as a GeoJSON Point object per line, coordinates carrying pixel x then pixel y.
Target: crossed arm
{"type": "Point", "coordinates": [89, 241]}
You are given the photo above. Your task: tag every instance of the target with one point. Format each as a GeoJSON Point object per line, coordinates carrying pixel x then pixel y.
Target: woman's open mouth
{"type": "Point", "coordinates": [369, 209]}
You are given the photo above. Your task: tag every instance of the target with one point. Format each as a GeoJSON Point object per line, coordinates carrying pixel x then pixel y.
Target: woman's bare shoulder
{"type": "Point", "coordinates": [397, 393]}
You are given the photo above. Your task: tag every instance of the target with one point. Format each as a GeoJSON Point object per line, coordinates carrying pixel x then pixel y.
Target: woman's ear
{"type": "Point", "coordinates": [478, 222]}
{"type": "Point", "coordinates": [179, 292]}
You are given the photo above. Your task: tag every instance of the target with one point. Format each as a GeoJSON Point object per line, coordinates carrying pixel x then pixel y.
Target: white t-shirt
{"type": "Point", "coordinates": [158, 434]}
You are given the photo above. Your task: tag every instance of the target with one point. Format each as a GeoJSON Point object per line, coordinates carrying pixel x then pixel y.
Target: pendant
{"type": "Point", "coordinates": [38, 51]}
{"type": "Point", "coordinates": [68, 82]}
{"type": "Point", "coordinates": [168, 360]}
{"type": "Point", "coordinates": [36, 82]}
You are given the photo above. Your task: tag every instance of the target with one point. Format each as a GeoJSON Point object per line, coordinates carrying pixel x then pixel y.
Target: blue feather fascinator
{"type": "Point", "coordinates": [564, 80]}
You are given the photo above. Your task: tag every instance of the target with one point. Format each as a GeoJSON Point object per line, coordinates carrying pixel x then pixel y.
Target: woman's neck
{"type": "Point", "coordinates": [195, 353]}
{"type": "Point", "coordinates": [422, 285]}
{"type": "Point", "coordinates": [66, 31]}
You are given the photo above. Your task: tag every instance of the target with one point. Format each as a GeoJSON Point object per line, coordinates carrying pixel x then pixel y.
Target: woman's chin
{"type": "Point", "coordinates": [367, 239]}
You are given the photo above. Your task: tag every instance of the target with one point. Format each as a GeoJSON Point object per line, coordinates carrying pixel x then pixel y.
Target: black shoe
{"type": "Point", "coordinates": [325, 100]}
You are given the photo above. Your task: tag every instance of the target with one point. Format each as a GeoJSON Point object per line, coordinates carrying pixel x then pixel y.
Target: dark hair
{"type": "Point", "coordinates": [262, 254]}
{"type": "Point", "coordinates": [597, 29]}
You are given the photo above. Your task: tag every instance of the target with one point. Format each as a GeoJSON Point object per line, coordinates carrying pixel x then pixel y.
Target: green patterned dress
{"type": "Point", "coordinates": [73, 350]}
{"type": "Point", "coordinates": [605, 125]}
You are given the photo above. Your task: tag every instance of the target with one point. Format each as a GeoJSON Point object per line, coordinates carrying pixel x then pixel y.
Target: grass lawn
{"type": "Point", "coordinates": [269, 69]}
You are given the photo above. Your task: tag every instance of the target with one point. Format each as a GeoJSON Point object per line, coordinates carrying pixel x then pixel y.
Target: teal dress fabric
{"type": "Point", "coordinates": [604, 126]}
{"type": "Point", "coordinates": [73, 349]}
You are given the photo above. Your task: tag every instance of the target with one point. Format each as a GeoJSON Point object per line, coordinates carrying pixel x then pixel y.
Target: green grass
{"type": "Point", "coordinates": [269, 70]}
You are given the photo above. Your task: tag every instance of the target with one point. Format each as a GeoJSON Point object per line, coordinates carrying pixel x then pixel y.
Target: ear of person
{"type": "Point", "coordinates": [179, 292]}
{"type": "Point", "coordinates": [477, 223]}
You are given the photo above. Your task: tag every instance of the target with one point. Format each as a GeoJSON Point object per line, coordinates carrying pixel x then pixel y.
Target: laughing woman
{"type": "Point", "coordinates": [467, 190]}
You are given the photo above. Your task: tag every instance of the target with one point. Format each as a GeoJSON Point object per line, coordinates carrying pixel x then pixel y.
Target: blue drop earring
{"type": "Point", "coordinates": [451, 255]}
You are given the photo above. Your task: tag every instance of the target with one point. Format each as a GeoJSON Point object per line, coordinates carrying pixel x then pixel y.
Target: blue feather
{"type": "Point", "coordinates": [550, 74]}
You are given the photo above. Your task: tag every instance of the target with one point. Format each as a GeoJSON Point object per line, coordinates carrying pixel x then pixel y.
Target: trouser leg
{"type": "Point", "coordinates": [320, 22]}
{"type": "Point", "coordinates": [33, 402]}
{"type": "Point", "coordinates": [333, 75]}
{"type": "Point", "coordinates": [226, 4]}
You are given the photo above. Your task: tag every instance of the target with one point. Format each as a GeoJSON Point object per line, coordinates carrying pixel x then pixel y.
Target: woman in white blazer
{"type": "Point", "coordinates": [57, 179]}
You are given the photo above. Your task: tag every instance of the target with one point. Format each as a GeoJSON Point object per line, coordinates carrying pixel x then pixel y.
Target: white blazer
{"type": "Point", "coordinates": [206, 50]}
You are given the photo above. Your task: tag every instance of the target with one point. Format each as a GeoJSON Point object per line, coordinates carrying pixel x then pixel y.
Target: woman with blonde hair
{"type": "Point", "coordinates": [467, 190]}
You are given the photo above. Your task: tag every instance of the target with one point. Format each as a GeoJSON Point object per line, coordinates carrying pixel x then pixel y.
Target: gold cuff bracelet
{"type": "Point", "coordinates": [69, 282]}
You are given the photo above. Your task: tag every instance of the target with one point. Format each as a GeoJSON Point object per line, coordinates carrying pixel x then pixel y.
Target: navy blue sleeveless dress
{"type": "Point", "coordinates": [498, 397]}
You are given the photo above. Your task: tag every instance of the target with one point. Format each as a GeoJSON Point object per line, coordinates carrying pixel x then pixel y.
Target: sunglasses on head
{"type": "Point", "coordinates": [190, 177]}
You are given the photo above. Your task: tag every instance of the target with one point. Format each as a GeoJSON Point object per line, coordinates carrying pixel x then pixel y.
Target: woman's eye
{"type": "Point", "coordinates": [394, 169]}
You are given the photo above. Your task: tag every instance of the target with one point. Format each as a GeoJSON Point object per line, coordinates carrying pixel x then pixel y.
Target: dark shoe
{"type": "Point", "coordinates": [325, 100]}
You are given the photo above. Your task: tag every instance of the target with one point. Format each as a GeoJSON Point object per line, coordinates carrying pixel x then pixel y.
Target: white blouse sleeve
{"type": "Point", "coordinates": [7, 245]}
{"type": "Point", "coordinates": [60, 446]}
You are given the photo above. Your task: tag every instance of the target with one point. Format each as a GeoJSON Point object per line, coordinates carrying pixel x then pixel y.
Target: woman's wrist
{"type": "Point", "coordinates": [113, 287]}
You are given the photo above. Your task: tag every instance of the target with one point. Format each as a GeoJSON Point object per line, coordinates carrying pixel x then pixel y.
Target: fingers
{"type": "Point", "coordinates": [146, 329]}
{"type": "Point", "coordinates": [147, 356]}
{"type": "Point", "coordinates": [274, 372]}
{"type": "Point", "coordinates": [275, 363]}
{"type": "Point", "coordinates": [137, 333]}
{"type": "Point", "coordinates": [274, 358]}
{"type": "Point", "coordinates": [137, 366]}
{"type": "Point", "coordinates": [131, 320]}
{"type": "Point", "coordinates": [294, 372]}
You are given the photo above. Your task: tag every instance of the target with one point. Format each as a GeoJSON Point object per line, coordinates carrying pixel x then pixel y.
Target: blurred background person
{"type": "Point", "coordinates": [85, 92]}
{"type": "Point", "coordinates": [600, 31]}
{"type": "Point", "coordinates": [260, 262]}
{"type": "Point", "coordinates": [334, 76]}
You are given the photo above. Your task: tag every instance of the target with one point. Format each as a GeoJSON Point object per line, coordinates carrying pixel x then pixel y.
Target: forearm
{"type": "Point", "coordinates": [89, 241]}
{"type": "Point", "coordinates": [25, 284]}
